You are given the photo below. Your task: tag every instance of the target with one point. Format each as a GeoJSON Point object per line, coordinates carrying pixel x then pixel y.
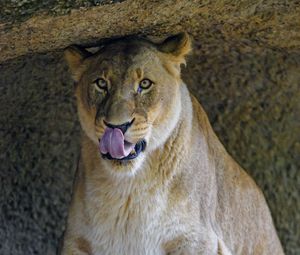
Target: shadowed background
{"type": "Point", "coordinates": [249, 90]}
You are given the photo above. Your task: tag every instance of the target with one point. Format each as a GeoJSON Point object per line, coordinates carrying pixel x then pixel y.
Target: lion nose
{"type": "Point", "coordinates": [123, 127]}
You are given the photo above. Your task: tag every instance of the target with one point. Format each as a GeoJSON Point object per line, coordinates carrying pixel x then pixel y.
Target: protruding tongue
{"type": "Point", "coordinates": [113, 142]}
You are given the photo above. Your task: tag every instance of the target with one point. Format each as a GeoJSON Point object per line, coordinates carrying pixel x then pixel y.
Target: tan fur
{"type": "Point", "coordinates": [184, 194]}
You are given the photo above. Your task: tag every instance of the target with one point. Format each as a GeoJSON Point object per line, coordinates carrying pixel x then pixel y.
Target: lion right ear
{"type": "Point", "coordinates": [74, 56]}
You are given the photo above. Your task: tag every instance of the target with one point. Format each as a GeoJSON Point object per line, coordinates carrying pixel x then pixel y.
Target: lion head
{"type": "Point", "coordinates": [128, 96]}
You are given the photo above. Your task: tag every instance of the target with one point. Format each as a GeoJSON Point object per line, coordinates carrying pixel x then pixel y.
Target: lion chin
{"type": "Point", "coordinates": [122, 168]}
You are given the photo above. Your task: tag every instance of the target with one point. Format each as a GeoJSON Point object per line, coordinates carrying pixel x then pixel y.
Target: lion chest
{"type": "Point", "coordinates": [126, 225]}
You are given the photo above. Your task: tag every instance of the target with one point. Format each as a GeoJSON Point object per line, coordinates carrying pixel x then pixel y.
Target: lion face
{"type": "Point", "coordinates": [128, 96]}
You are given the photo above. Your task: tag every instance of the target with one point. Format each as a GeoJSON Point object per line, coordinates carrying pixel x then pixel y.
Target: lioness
{"type": "Point", "coordinates": [153, 178]}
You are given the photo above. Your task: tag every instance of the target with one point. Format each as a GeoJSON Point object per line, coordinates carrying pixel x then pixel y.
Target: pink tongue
{"type": "Point", "coordinates": [112, 142]}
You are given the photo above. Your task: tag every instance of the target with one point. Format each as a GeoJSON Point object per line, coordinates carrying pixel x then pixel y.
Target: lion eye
{"type": "Point", "coordinates": [144, 84]}
{"type": "Point", "coordinates": [101, 84]}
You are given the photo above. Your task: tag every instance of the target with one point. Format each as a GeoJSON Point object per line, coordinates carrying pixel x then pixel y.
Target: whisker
{"type": "Point", "coordinates": [139, 129]}
{"type": "Point", "coordinates": [99, 129]}
{"type": "Point", "coordinates": [134, 136]}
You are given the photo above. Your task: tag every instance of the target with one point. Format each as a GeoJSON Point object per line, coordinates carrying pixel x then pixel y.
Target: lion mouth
{"type": "Point", "coordinates": [138, 148]}
{"type": "Point", "coordinates": [113, 146]}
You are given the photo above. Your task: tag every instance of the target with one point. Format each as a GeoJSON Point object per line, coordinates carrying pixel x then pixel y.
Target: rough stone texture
{"type": "Point", "coordinates": [39, 145]}
{"type": "Point", "coordinates": [17, 11]}
{"type": "Point", "coordinates": [274, 22]}
{"type": "Point", "coordinates": [87, 26]}
{"type": "Point", "coordinates": [245, 70]}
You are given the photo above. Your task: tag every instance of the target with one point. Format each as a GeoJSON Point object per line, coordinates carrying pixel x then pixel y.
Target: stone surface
{"type": "Point", "coordinates": [17, 11]}
{"type": "Point", "coordinates": [245, 70]}
{"type": "Point", "coordinates": [275, 24]}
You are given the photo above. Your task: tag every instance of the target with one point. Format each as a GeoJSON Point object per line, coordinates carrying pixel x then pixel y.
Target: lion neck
{"type": "Point", "coordinates": [167, 160]}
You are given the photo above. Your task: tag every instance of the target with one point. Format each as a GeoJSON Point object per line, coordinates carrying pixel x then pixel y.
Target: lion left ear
{"type": "Point", "coordinates": [74, 56]}
{"type": "Point", "coordinates": [178, 46]}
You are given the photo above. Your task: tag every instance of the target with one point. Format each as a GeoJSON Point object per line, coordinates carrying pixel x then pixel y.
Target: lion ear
{"type": "Point", "coordinates": [178, 46]}
{"type": "Point", "coordinates": [74, 56]}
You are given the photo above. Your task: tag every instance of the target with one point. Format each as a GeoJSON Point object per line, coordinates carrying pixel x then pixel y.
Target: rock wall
{"type": "Point", "coordinates": [246, 79]}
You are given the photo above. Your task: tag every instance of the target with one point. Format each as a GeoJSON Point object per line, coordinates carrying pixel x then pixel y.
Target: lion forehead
{"type": "Point", "coordinates": [126, 58]}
